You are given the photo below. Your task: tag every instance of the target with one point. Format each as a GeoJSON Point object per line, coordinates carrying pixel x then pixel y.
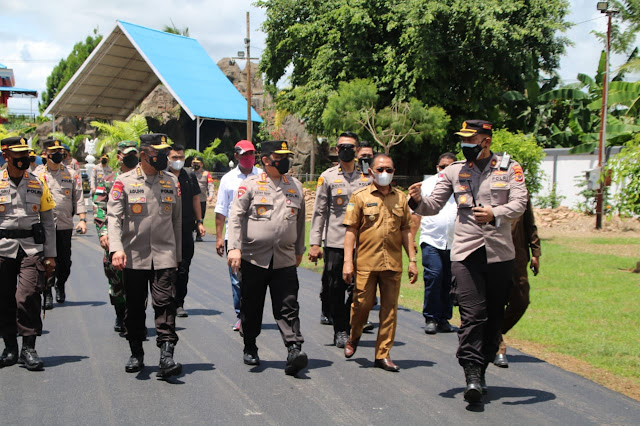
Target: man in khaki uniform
{"type": "Point", "coordinates": [266, 242]}
{"type": "Point", "coordinates": [334, 189]}
{"type": "Point", "coordinates": [27, 252]}
{"type": "Point", "coordinates": [99, 171]}
{"type": "Point", "coordinates": [490, 193]}
{"type": "Point", "coordinates": [65, 185]}
{"type": "Point", "coordinates": [378, 224]}
{"type": "Point", "coordinates": [144, 217]}
{"type": "Point", "coordinates": [207, 190]}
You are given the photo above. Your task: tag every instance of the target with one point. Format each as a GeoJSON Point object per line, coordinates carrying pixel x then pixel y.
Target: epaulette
{"type": "Point", "coordinates": [359, 190]}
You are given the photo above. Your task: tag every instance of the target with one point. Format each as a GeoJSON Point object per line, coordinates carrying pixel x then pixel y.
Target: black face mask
{"type": "Point", "coordinates": [159, 162]}
{"type": "Point", "coordinates": [103, 161]}
{"type": "Point", "coordinates": [130, 161]}
{"type": "Point", "coordinates": [471, 154]}
{"type": "Point", "coordinates": [281, 165]}
{"type": "Point", "coordinates": [56, 158]}
{"type": "Point", "coordinates": [346, 155]}
{"type": "Point", "coordinates": [364, 163]}
{"type": "Point", "coordinates": [196, 167]}
{"type": "Point", "coordinates": [32, 159]}
{"type": "Point", "coordinates": [21, 163]}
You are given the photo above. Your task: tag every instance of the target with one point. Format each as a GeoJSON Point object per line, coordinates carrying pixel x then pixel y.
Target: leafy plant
{"type": "Point", "coordinates": [209, 155]}
{"type": "Point", "coordinates": [119, 131]}
{"type": "Point", "coordinates": [526, 151]}
{"type": "Point", "coordinates": [73, 143]}
{"type": "Point", "coordinates": [550, 201]}
{"type": "Point", "coordinates": [625, 168]}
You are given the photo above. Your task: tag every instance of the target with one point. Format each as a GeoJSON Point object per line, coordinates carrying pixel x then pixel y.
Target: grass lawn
{"type": "Point", "coordinates": [584, 304]}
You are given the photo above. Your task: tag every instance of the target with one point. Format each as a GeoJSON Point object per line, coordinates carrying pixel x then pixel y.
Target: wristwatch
{"type": "Point", "coordinates": [83, 220]}
{"type": "Point", "coordinates": [199, 221]}
{"type": "Point", "coordinates": [413, 260]}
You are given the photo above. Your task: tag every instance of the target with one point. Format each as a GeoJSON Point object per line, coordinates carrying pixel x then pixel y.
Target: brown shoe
{"type": "Point", "coordinates": [386, 364]}
{"type": "Point", "coordinates": [350, 347]}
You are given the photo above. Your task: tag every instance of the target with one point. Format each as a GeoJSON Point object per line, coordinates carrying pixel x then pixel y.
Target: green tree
{"type": "Point", "coordinates": [210, 158]}
{"type": "Point", "coordinates": [66, 68]}
{"type": "Point", "coordinates": [625, 169]}
{"type": "Point", "coordinates": [111, 134]}
{"type": "Point", "coordinates": [72, 142]}
{"type": "Point", "coordinates": [457, 54]}
{"type": "Point", "coordinates": [353, 106]}
{"type": "Point", "coordinates": [526, 151]}
{"type": "Point", "coordinates": [624, 26]}
{"type": "Point", "coordinates": [173, 29]}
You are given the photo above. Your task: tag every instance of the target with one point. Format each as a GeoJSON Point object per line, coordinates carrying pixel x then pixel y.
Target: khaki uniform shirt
{"type": "Point", "coordinates": [97, 174]}
{"type": "Point", "coordinates": [503, 190]}
{"type": "Point", "coordinates": [144, 219]}
{"type": "Point", "coordinates": [267, 221]}
{"type": "Point", "coordinates": [205, 181]}
{"type": "Point", "coordinates": [65, 185]}
{"type": "Point", "coordinates": [379, 219]}
{"type": "Point", "coordinates": [23, 206]}
{"type": "Point", "coordinates": [332, 196]}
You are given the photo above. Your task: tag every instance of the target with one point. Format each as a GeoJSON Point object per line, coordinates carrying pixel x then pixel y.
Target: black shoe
{"type": "Point", "coordinates": [136, 360]}
{"type": "Point", "coordinates": [167, 366]}
{"type": "Point", "coordinates": [325, 320]}
{"type": "Point", "coordinates": [118, 326]}
{"type": "Point", "coordinates": [368, 327]}
{"type": "Point", "coordinates": [60, 294]}
{"type": "Point", "coordinates": [10, 354]}
{"type": "Point", "coordinates": [296, 360]}
{"type": "Point", "coordinates": [198, 239]}
{"type": "Point", "coordinates": [28, 356]}
{"type": "Point", "coordinates": [431, 327]}
{"type": "Point", "coordinates": [180, 312]}
{"type": "Point", "coordinates": [251, 358]}
{"type": "Point", "coordinates": [48, 300]}
{"type": "Point", "coordinates": [445, 327]}
{"type": "Point", "coordinates": [472, 374]}
{"type": "Point", "coordinates": [501, 361]}
{"type": "Point", "coordinates": [340, 339]}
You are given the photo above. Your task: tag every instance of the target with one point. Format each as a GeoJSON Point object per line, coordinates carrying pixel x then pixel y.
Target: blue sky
{"type": "Point", "coordinates": [36, 34]}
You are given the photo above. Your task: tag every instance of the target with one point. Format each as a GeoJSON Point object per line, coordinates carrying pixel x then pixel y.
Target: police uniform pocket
{"type": "Point", "coordinates": [499, 194]}
{"type": "Point", "coordinates": [138, 206]}
{"type": "Point", "coordinates": [339, 198]}
{"type": "Point", "coordinates": [262, 209]}
{"type": "Point", "coordinates": [168, 201]}
{"type": "Point", "coordinates": [292, 208]}
{"type": "Point", "coordinates": [33, 203]}
{"type": "Point", "coordinates": [5, 202]}
{"type": "Point", "coordinates": [464, 197]}
{"type": "Point", "coordinates": [66, 188]}
{"type": "Point", "coordinates": [370, 215]}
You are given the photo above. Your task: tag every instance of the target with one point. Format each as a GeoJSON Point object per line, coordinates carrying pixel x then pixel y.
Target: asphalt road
{"type": "Point", "coordinates": [84, 381]}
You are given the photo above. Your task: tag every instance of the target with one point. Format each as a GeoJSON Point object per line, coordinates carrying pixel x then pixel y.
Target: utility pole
{"type": "Point", "coordinates": [603, 7]}
{"type": "Point", "coordinates": [247, 56]}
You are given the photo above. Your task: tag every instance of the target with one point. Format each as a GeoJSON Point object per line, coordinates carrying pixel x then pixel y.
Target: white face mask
{"type": "Point", "coordinates": [176, 165]}
{"type": "Point", "coordinates": [383, 179]}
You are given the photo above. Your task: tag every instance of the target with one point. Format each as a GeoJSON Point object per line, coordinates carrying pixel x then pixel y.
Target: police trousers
{"type": "Point", "coordinates": [183, 267]}
{"type": "Point", "coordinates": [63, 258]}
{"type": "Point", "coordinates": [518, 296]}
{"type": "Point", "coordinates": [21, 283]}
{"type": "Point", "coordinates": [163, 293]}
{"type": "Point", "coordinates": [283, 288]}
{"type": "Point", "coordinates": [482, 291]}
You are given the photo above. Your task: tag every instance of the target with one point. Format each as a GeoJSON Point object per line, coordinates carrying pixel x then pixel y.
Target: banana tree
{"type": "Point", "coordinates": [209, 155]}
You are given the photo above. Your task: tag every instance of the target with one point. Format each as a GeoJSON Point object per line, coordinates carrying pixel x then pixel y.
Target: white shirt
{"type": "Point", "coordinates": [228, 186]}
{"type": "Point", "coordinates": [437, 231]}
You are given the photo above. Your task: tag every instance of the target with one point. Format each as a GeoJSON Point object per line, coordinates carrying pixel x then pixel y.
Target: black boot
{"type": "Point", "coordinates": [473, 391]}
{"type": "Point", "coordinates": [10, 354]}
{"type": "Point", "coordinates": [168, 367]}
{"type": "Point", "coordinates": [28, 356]}
{"type": "Point", "coordinates": [296, 360]}
{"type": "Point", "coordinates": [118, 327]}
{"type": "Point", "coordinates": [60, 295]}
{"type": "Point", "coordinates": [48, 299]}
{"type": "Point", "coordinates": [483, 382]}
{"type": "Point", "coordinates": [136, 360]}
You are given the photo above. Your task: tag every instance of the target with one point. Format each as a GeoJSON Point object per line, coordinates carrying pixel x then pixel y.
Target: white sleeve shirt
{"type": "Point", "coordinates": [437, 231]}
{"type": "Point", "coordinates": [228, 187]}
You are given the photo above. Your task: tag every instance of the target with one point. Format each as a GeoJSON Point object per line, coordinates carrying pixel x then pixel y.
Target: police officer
{"type": "Point", "coordinates": [207, 190]}
{"type": "Point", "coordinates": [127, 160]}
{"type": "Point", "coordinates": [27, 252]}
{"type": "Point", "coordinates": [99, 171]}
{"type": "Point", "coordinates": [68, 159]}
{"type": "Point", "coordinates": [334, 189]}
{"type": "Point", "coordinates": [266, 242]}
{"type": "Point", "coordinates": [65, 185]}
{"type": "Point", "coordinates": [144, 218]}
{"type": "Point", "coordinates": [490, 193]}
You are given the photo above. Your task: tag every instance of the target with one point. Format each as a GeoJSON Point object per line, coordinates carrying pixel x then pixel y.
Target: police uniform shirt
{"type": "Point", "coordinates": [205, 181]}
{"type": "Point", "coordinates": [144, 219]}
{"type": "Point", "coordinates": [227, 190]}
{"type": "Point", "coordinates": [21, 207]}
{"type": "Point", "coordinates": [98, 173]}
{"type": "Point", "coordinates": [65, 185]}
{"type": "Point", "coordinates": [503, 190]}
{"type": "Point", "coordinates": [333, 192]}
{"type": "Point", "coordinates": [379, 220]}
{"type": "Point", "coordinates": [267, 221]}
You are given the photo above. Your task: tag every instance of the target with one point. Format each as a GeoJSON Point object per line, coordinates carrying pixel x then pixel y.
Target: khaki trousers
{"type": "Point", "coordinates": [364, 295]}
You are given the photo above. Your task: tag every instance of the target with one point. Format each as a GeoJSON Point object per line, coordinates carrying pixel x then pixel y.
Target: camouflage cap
{"type": "Point", "coordinates": [126, 147]}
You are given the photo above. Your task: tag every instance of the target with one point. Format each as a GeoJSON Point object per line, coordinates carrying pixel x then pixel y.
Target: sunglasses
{"type": "Point", "coordinates": [383, 169]}
{"type": "Point", "coordinates": [442, 167]}
{"type": "Point", "coordinates": [346, 146]}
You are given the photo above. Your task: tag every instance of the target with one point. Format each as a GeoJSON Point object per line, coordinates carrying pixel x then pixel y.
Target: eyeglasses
{"type": "Point", "coordinates": [383, 169]}
{"type": "Point", "coordinates": [442, 167]}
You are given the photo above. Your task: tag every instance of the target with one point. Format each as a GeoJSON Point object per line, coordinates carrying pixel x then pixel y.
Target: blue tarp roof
{"type": "Point", "coordinates": [127, 65]}
{"type": "Point", "coordinates": [18, 90]}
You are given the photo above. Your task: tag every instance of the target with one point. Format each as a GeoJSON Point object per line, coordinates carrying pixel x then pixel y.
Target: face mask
{"type": "Point", "coordinates": [130, 161]}
{"type": "Point", "coordinates": [247, 162]}
{"type": "Point", "coordinates": [383, 179]}
{"type": "Point", "coordinates": [21, 163]}
{"type": "Point", "coordinates": [196, 166]}
{"type": "Point", "coordinates": [103, 161]}
{"type": "Point", "coordinates": [281, 165]}
{"type": "Point", "coordinates": [471, 151]}
{"type": "Point", "coordinates": [32, 159]}
{"type": "Point", "coordinates": [56, 158]}
{"type": "Point", "coordinates": [176, 165]}
{"type": "Point", "coordinates": [346, 155]}
{"type": "Point", "coordinates": [364, 163]}
{"type": "Point", "coordinates": [159, 162]}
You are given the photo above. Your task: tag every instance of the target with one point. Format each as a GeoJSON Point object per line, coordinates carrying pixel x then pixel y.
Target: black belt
{"type": "Point", "coordinates": [15, 233]}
